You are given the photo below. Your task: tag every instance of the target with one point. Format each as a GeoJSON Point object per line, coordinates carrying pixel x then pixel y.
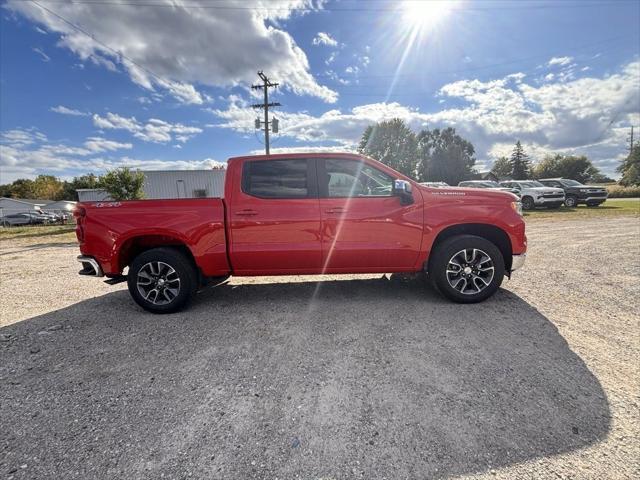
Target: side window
{"type": "Point", "coordinates": [276, 178]}
{"type": "Point", "coordinates": [351, 178]}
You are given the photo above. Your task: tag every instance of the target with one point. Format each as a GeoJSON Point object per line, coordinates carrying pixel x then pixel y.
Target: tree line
{"type": "Point", "coordinates": [120, 183]}
{"type": "Point", "coordinates": [441, 155]}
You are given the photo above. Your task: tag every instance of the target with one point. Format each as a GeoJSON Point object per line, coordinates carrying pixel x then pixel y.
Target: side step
{"type": "Point", "coordinates": [116, 280]}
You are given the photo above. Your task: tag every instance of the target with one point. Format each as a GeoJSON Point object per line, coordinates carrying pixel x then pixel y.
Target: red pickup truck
{"type": "Point", "coordinates": [290, 214]}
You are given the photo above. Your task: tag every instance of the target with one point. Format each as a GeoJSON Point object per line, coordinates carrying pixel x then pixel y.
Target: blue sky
{"type": "Point", "coordinates": [96, 85]}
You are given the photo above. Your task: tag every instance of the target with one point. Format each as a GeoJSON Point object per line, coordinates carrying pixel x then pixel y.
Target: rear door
{"type": "Point", "coordinates": [275, 218]}
{"type": "Point", "coordinates": [364, 226]}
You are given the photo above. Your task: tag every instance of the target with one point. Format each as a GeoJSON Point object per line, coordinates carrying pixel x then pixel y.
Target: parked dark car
{"type": "Point", "coordinates": [576, 193]}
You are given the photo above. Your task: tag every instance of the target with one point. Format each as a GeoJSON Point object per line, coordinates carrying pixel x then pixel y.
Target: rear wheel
{"type": "Point", "coordinates": [527, 203]}
{"type": "Point", "coordinates": [467, 269]}
{"type": "Point", "coordinates": [162, 280]}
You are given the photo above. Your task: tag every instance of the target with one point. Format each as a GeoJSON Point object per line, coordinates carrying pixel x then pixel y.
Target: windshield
{"type": "Point", "coordinates": [571, 183]}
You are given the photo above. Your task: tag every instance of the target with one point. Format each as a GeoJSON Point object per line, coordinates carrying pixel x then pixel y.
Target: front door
{"type": "Point", "coordinates": [275, 218]}
{"type": "Point", "coordinates": [364, 226]}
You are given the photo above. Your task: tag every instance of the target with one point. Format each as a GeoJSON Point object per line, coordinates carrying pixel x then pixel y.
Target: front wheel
{"type": "Point", "coordinates": [467, 269]}
{"type": "Point", "coordinates": [162, 280]}
{"type": "Point", "coordinates": [528, 203]}
{"type": "Point", "coordinates": [571, 201]}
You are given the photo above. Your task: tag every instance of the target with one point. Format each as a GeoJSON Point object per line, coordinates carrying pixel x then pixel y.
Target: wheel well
{"type": "Point", "coordinates": [494, 234]}
{"type": "Point", "coordinates": [133, 247]}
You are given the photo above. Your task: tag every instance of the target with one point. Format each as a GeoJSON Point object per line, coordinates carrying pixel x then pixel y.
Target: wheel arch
{"type": "Point", "coordinates": [495, 235]}
{"type": "Point", "coordinates": [137, 244]}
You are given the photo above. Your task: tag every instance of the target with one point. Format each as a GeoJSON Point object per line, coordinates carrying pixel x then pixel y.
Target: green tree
{"type": "Point", "coordinates": [23, 188]}
{"type": "Point", "coordinates": [47, 187]}
{"type": "Point", "coordinates": [520, 164]}
{"type": "Point", "coordinates": [630, 168]}
{"type": "Point", "coordinates": [88, 180]}
{"type": "Point", "coordinates": [502, 168]}
{"type": "Point", "coordinates": [393, 143]}
{"type": "Point", "coordinates": [123, 183]}
{"type": "Point", "coordinates": [577, 168]}
{"type": "Point", "coordinates": [444, 156]}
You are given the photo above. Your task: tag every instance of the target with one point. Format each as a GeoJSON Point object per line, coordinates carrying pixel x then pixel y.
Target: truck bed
{"type": "Point", "coordinates": [116, 231]}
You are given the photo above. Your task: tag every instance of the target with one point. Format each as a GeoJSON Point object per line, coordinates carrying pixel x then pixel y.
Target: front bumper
{"type": "Point", "coordinates": [594, 199]}
{"type": "Point", "coordinates": [517, 261]}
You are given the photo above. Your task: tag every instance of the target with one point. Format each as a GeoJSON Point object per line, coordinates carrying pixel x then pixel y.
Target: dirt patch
{"type": "Point", "coordinates": [351, 377]}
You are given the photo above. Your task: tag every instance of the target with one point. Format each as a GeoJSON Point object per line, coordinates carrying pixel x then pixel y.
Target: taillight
{"type": "Point", "coordinates": [79, 212]}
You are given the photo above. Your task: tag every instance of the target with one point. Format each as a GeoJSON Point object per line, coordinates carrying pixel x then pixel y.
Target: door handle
{"type": "Point", "coordinates": [335, 210]}
{"type": "Point", "coordinates": [247, 212]}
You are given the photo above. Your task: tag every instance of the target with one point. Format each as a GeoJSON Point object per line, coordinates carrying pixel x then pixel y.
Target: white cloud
{"type": "Point", "coordinates": [323, 38]}
{"type": "Point", "coordinates": [586, 116]}
{"type": "Point", "coordinates": [25, 153]}
{"type": "Point", "coordinates": [154, 130]}
{"type": "Point", "coordinates": [560, 61]}
{"type": "Point", "coordinates": [68, 111]}
{"type": "Point", "coordinates": [179, 48]}
{"type": "Point", "coordinates": [99, 144]}
{"type": "Point", "coordinates": [44, 56]}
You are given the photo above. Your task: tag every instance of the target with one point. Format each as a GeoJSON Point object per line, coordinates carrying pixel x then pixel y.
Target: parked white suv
{"type": "Point", "coordinates": [534, 194]}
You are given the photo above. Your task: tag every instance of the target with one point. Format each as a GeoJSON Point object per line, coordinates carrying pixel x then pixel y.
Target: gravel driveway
{"type": "Point", "coordinates": [365, 377]}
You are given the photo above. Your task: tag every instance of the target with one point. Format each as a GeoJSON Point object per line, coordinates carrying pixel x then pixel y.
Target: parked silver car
{"type": "Point", "coordinates": [27, 218]}
{"type": "Point", "coordinates": [488, 184]}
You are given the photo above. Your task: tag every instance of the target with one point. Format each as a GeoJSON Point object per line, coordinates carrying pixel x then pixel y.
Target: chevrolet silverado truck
{"type": "Point", "coordinates": [576, 193]}
{"type": "Point", "coordinates": [534, 194]}
{"type": "Point", "coordinates": [332, 213]}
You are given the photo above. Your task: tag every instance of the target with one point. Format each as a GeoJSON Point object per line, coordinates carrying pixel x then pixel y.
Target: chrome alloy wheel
{"type": "Point", "coordinates": [470, 271]}
{"type": "Point", "coordinates": [158, 283]}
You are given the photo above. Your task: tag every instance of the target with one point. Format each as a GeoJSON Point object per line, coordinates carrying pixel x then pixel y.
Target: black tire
{"type": "Point", "coordinates": [447, 250]}
{"type": "Point", "coordinates": [183, 270]}
{"type": "Point", "coordinates": [571, 201]}
{"type": "Point", "coordinates": [528, 203]}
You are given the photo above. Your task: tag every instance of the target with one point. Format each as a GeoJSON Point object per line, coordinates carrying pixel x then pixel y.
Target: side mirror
{"type": "Point", "coordinates": [402, 189]}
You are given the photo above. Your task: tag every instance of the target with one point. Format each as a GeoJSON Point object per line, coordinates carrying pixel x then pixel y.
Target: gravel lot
{"type": "Point", "coordinates": [365, 377]}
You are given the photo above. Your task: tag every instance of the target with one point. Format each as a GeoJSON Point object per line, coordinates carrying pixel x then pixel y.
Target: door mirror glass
{"type": "Point", "coordinates": [402, 189]}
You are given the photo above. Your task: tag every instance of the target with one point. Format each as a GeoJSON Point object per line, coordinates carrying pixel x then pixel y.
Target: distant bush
{"type": "Point", "coordinates": [618, 191]}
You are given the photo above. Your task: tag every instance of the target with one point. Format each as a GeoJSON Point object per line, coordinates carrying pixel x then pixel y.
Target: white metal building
{"type": "Point", "coordinates": [59, 206]}
{"type": "Point", "coordinates": [170, 184]}
{"type": "Point", "coordinates": [9, 206]}
{"type": "Point", "coordinates": [92, 195]}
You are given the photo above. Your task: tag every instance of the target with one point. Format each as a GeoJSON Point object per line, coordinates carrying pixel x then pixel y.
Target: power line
{"type": "Point", "coordinates": [266, 85]}
{"type": "Point", "coordinates": [104, 45]}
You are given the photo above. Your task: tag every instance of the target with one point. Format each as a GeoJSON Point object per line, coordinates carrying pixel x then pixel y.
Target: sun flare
{"type": "Point", "coordinates": [426, 14]}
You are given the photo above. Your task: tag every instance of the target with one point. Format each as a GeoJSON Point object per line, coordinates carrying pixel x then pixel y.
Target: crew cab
{"type": "Point", "coordinates": [576, 193]}
{"type": "Point", "coordinates": [332, 213]}
{"type": "Point", "coordinates": [534, 194]}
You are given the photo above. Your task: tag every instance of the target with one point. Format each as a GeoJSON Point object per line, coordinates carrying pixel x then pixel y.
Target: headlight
{"type": "Point", "coordinates": [517, 206]}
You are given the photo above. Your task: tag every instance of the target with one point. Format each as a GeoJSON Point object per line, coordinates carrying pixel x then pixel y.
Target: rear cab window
{"type": "Point", "coordinates": [279, 179]}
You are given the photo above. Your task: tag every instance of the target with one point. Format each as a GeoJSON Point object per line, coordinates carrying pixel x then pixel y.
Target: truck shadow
{"type": "Point", "coordinates": [375, 377]}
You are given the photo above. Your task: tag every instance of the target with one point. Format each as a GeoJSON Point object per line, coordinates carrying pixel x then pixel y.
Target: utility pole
{"type": "Point", "coordinates": [266, 84]}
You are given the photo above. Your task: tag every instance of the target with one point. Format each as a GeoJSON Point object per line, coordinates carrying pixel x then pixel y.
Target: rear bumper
{"type": "Point", "coordinates": [90, 266]}
{"type": "Point", "coordinates": [517, 261]}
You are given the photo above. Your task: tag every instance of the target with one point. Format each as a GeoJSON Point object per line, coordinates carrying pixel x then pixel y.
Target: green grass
{"type": "Point", "coordinates": [8, 233]}
{"type": "Point", "coordinates": [611, 208]}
